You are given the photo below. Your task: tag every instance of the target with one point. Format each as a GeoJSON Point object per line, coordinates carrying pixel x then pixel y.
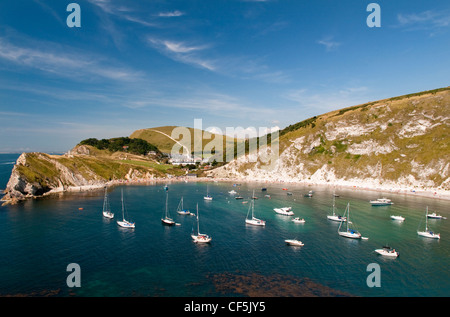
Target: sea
{"type": "Point", "coordinates": [41, 238]}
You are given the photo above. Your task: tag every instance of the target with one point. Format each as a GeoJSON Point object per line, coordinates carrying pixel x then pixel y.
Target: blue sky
{"type": "Point", "coordinates": [148, 63]}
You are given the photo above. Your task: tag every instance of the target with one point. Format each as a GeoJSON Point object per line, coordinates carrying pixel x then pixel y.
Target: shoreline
{"type": "Point", "coordinates": [427, 193]}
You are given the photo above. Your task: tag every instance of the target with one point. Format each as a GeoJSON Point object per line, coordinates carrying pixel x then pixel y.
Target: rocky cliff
{"type": "Point", "coordinates": [36, 174]}
{"type": "Point", "coordinates": [396, 143]}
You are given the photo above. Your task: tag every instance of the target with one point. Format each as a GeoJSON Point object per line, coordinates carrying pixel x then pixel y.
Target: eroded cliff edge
{"type": "Point", "coordinates": [36, 174]}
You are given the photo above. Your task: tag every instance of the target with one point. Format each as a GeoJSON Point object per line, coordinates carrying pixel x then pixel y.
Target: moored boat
{"type": "Point", "coordinates": [387, 251]}
{"type": "Point", "coordinates": [349, 232]}
{"type": "Point", "coordinates": [428, 233]}
{"type": "Point", "coordinates": [435, 216]}
{"type": "Point", "coordinates": [200, 237]}
{"type": "Point", "coordinates": [253, 220]}
{"type": "Point", "coordinates": [381, 202]}
{"type": "Point", "coordinates": [294, 242]}
{"type": "Point", "coordinates": [285, 211]}
{"type": "Point", "coordinates": [298, 220]}
{"type": "Point", "coordinates": [125, 223]}
{"type": "Point", "coordinates": [399, 218]}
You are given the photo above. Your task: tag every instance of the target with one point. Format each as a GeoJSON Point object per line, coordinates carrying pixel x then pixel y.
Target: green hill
{"type": "Point", "coordinates": [161, 138]}
{"type": "Point", "coordinates": [396, 142]}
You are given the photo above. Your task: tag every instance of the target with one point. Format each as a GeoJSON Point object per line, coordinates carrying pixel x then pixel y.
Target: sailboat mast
{"type": "Point", "coordinates": [123, 210]}
{"type": "Point", "coordinates": [198, 224]}
{"type": "Point", "coordinates": [105, 201]}
{"type": "Point", "coordinates": [167, 199]}
{"type": "Point", "coordinates": [334, 204]}
{"type": "Point", "coordinates": [348, 214]}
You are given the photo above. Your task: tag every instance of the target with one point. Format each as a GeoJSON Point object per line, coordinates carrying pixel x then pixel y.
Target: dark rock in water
{"type": "Point", "coordinates": [276, 285]}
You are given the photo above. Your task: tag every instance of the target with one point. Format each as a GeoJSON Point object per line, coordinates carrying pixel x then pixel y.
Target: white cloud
{"type": "Point", "coordinates": [180, 47]}
{"type": "Point", "coordinates": [329, 44]}
{"type": "Point", "coordinates": [175, 13]}
{"type": "Point", "coordinates": [51, 58]}
{"type": "Point", "coordinates": [327, 100]}
{"type": "Point", "coordinates": [183, 52]}
{"type": "Point", "coordinates": [424, 20]}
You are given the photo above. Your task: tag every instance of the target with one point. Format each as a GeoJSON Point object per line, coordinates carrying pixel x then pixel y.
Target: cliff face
{"type": "Point", "coordinates": [36, 174]}
{"type": "Point", "coordinates": [402, 142]}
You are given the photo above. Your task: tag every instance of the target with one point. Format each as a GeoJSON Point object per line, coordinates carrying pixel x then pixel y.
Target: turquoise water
{"type": "Point", "coordinates": [39, 238]}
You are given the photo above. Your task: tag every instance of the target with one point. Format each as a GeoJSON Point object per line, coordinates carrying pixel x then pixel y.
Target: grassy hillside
{"type": "Point", "coordinates": [405, 138]}
{"type": "Point", "coordinates": [159, 137]}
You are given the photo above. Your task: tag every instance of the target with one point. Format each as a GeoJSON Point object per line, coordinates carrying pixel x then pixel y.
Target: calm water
{"type": "Point", "coordinates": [39, 238]}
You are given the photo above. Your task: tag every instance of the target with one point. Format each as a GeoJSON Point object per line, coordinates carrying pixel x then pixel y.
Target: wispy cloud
{"type": "Point", "coordinates": [426, 20]}
{"type": "Point", "coordinates": [329, 44]}
{"type": "Point", "coordinates": [122, 12]}
{"type": "Point", "coordinates": [51, 58]}
{"type": "Point", "coordinates": [183, 52]}
{"type": "Point", "coordinates": [171, 14]}
{"type": "Point", "coordinates": [327, 99]}
{"type": "Point", "coordinates": [218, 104]}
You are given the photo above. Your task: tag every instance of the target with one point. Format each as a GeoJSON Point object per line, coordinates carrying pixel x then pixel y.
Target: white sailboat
{"type": "Point", "coordinates": [253, 220]}
{"type": "Point", "coordinates": [107, 213]}
{"type": "Point", "coordinates": [200, 237]}
{"type": "Point", "coordinates": [181, 210]}
{"type": "Point", "coordinates": [166, 219]}
{"type": "Point", "coordinates": [124, 223]}
{"type": "Point", "coordinates": [334, 216]}
{"type": "Point", "coordinates": [428, 233]}
{"type": "Point", "coordinates": [349, 232]}
{"type": "Point", "coordinates": [208, 196]}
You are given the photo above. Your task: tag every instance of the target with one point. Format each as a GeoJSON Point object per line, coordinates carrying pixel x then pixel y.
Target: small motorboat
{"type": "Point", "coordinates": [298, 220]}
{"type": "Point", "coordinates": [387, 251]}
{"type": "Point", "coordinates": [435, 216]}
{"type": "Point", "coordinates": [398, 218]}
{"type": "Point", "coordinates": [232, 192]}
{"type": "Point", "coordinates": [285, 211]}
{"type": "Point", "coordinates": [309, 194]}
{"type": "Point", "coordinates": [381, 202]}
{"type": "Point", "coordinates": [294, 242]}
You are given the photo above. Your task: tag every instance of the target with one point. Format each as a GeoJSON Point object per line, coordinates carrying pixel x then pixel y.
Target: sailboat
{"type": "Point", "coordinates": [181, 210]}
{"type": "Point", "coordinates": [107, 213]}
{"type": "Point", "coordinates": [348, 233]}
{"type": "Point", "coordinates": [253, 221]}
{"type": "Point", "coordinates": [166, 220]}
{"type": "Point", "coordinates": [428, 233]}
{"type": "Point", "coordinates": [200, 237]}
{"type": "Point", "coordinates": [207, 197]}
{"type": "Point", "coordinates": [124, 223]}
{"type": "Point", "coordinates": [334, 216]}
